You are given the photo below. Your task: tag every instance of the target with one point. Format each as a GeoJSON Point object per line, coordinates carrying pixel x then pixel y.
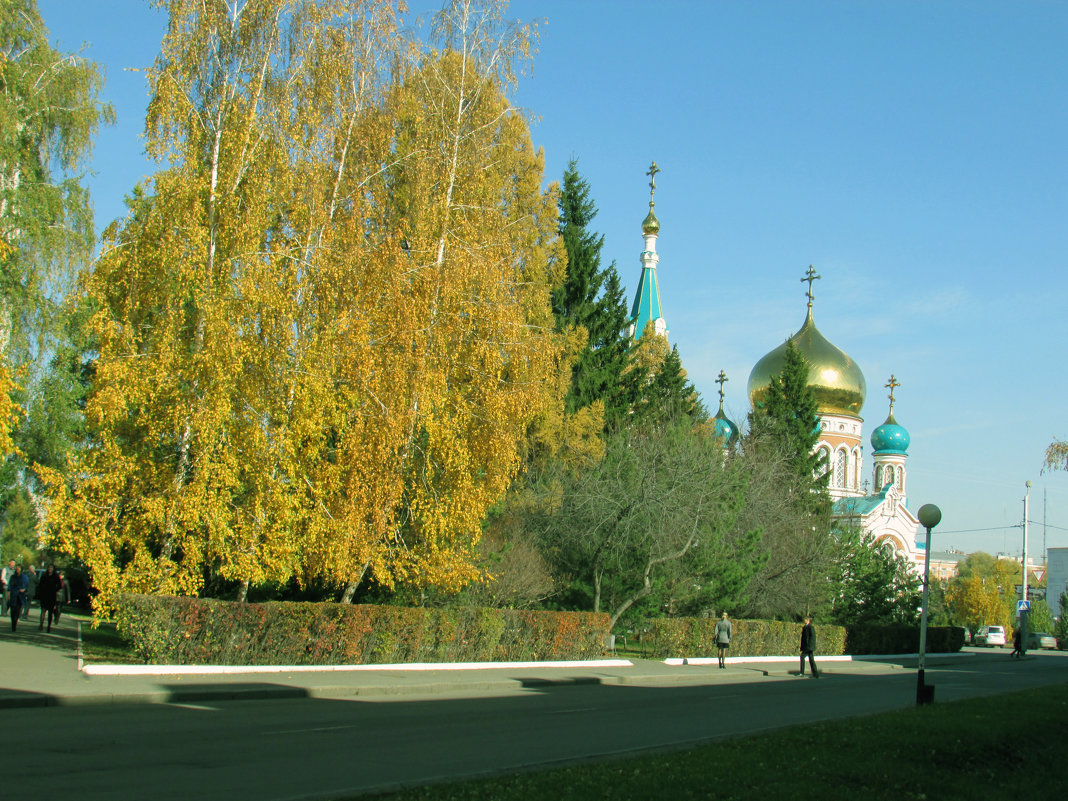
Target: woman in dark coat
{"type": "Point", "coordinates": [47, 592]}
{"type": "Point", "coordinates": [16, 593]}
{"type": "Point", "coordinates": [808, 647]}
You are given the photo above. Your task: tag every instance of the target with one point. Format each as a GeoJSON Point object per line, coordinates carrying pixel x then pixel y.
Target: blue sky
{"type": "Point", "coordinates": [915, 152]}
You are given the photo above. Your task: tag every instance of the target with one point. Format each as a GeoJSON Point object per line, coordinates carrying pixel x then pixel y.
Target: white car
{"type": "Point", "coordinates": [990, 635]}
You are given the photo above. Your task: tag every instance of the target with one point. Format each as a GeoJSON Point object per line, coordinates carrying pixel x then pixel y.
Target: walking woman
{"type": "Point", "coordinates": [16, 595]}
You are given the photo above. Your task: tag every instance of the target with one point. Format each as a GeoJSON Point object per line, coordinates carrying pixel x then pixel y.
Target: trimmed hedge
{"type": "Point", "coordinates": [178, 630]}
{"type": "Point", "coordinates": [902, 639]}
{"type": "Point", "coordinates": [694, 637]}
{"type": "Point", "coordinates": [688, 636]}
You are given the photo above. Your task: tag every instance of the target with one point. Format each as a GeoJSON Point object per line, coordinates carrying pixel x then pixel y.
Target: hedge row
{"type": "Point", "coordinates": [691, 637]}
{"type": "Point", "coordinates": [172, 630]}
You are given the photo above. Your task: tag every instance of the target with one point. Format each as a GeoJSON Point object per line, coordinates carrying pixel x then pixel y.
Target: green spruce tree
{"type": "Point", "coordinates": [591, 298]}
{"type": "Point", "coordinates": [789, 415]}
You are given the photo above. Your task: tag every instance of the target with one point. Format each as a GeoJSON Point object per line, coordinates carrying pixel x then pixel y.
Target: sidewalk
{"type": "Point", "coordinates": [40, 669]}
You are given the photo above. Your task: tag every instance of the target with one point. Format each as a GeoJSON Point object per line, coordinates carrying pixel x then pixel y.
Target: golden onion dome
{"type": "Point", "coordinates": [836, 380]}
{"type": "Point", "coordinates": [650, 225]}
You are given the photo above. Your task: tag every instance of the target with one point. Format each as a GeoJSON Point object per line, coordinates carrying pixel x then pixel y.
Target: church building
{"type": "Point", "coordinates": [839, 388]}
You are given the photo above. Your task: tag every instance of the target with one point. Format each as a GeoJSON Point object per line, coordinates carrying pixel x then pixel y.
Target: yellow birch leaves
{"type": "Point", "coordinates": [324, 329]}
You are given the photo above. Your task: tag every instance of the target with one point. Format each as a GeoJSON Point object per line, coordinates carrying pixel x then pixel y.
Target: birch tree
{"type": "Point", "coordinates": [324, 326]}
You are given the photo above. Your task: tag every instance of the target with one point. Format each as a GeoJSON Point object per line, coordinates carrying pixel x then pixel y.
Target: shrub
{"type": "Point", "coordinates": [682, 637]}
{"type": "Point", "coordinates": [174, 630]}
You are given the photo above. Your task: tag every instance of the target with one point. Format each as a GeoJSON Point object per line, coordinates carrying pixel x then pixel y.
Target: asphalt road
{"type": "Point", "coordinates": [314, 748]}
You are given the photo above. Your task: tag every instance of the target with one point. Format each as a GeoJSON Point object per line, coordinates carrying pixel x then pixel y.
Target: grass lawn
{"type": "Point", "coordinates": [102, 644]}
{"type": "Point", "coordinates": [1010, 746]}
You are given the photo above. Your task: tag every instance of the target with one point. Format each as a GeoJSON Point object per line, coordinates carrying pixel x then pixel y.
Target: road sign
{"type": "Point", "coordinates": [1023, 606]}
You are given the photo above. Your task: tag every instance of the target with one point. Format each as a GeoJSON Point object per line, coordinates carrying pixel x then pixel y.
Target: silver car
{"type": "Point", "coordinates": [990, 635]}
{"type": "Point", "coordinates": [1040, 639]}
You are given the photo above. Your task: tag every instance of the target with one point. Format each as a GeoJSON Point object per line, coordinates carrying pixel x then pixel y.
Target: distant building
{"type": "Point", "coordinates": [946, 564]}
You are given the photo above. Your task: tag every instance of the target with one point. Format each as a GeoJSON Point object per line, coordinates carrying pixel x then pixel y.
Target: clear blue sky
{"type": "Point", "coordinates": [915, 152]}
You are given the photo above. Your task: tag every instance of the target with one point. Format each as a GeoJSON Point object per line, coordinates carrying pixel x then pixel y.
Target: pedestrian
{"type": "Point", "coordinates": [31, 590]}
{"type": "Point", "coordinates": [63, 596]}
{"type": "Point", "coordinates": [47, 592]}
{"type": "Point", "coordinates": [5, 577]}
{"type": "Point", "coordinates": [723, 639]}
{"type": "Point", "coordinates": [16, 595]}
{"type": "Point", "coordinates": [808, 647]}
{"type": "Point", "coordinates": [1016, 636]}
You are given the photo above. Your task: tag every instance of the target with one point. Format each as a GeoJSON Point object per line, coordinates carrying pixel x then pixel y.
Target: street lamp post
{"type": "Point", "coordinates": [929, 515]}
{"type": "Point", "coordinates": [1025, 606]}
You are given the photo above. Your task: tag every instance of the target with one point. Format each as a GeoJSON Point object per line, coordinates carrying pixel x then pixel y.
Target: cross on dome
{"type": "Point", "coordinates": [721, 381]}
{"type": "Point", "coordinates": [653, 170]}
{"type": "Point", "coordinates": [810, 276]}
{"type": "Point", "coordinates": [892, 384]}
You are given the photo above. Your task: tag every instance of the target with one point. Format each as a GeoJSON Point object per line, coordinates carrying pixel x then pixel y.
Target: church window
{"type": "Point", "coordinates": [840, 469]}
{"type": "Point", "coordinates": [901, 478]}
{"type": "Point", "coordinates": [888, 476]}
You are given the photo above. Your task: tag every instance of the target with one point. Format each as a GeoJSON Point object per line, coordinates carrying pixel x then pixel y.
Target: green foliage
{"type": "Point", "coordinates": [1040, 618]}
{"type": "Point", "coordinates": [873, 584]}
{"type": "Point", "coordinates": [1061, 629]}
{"type": "Point", "coordinates": [789, 415]}
{"type": "Point", "coordinates": [900, 638]}
{"type": "Point", "coordinates": [651, 527]}
{"type": "Point", "coordinates": [668, 393]}
{"type": "Point", "coordinates": [173, 630]}
{"type": "Point", "coordinates": [592, 298]}
{"type": "Point", "coordinates": [694, 637]}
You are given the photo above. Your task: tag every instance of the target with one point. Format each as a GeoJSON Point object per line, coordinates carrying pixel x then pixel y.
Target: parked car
{"type": "Point", "coordinates": [990, 635]}
{"type": "Point", "coordinates": [1040, 639]}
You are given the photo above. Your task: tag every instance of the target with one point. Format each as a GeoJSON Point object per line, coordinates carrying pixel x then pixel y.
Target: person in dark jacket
{"type": "Point", "coordinates": [723, 639]}
{"type": "Point", "coordinates": [808, 647]}
{"type": "Point", "coordinates": [47, 592]}
{"type": "Point", "coordinates": [63, 596]}
{"type": "Point", "coordinates": [17, 586]}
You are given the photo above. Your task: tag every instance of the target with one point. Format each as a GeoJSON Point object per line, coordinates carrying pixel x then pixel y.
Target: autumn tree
{"type": "Point", "coordinates": [324, 326]}
{"type": "Point", "coordinates": [984, 591]}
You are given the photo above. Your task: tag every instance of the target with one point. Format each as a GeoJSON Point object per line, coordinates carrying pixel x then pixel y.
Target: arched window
{"type": "Point", "coordinates": [824, 460]}
{"type": "Point", "coordinates": [840, 469]}
{"type": "Point", "coordinates": [888, 476]}
{"type": "Point", "coordinates": [900, 479]}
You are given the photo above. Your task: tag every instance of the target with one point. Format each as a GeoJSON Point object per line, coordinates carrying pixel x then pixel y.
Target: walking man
{"type": "Point", "coordinates": [808, 646]}
{"type": "Point", "coordinates": [723, 639]}
{"type": "Point", "coordinates": [47, 593]}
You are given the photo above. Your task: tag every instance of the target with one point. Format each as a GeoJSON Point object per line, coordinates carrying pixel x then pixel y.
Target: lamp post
{"type": "Point", "coordinates": [1025, 606]}
{"type": "Point", "coordinates": [929, 515]}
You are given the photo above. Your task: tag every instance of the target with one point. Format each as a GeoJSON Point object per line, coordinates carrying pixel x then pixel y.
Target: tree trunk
{"type": "Point", "coordinates": [350, 588]}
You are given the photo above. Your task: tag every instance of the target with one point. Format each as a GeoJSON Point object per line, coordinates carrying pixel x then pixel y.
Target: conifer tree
{"type": "Point", "coordinates": [591, 298]}
{"type": "Point", "coordinates": [790, 415]}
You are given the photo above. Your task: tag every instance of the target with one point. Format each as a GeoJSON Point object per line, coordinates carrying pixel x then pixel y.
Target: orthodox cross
{"type": "Point", "coordinates": [653, 170]}
{"type": "Point", "coordinates": [810, 276]}
{"type": "Point", "coordinates": [721, 381]}
{"type": "Point", "coordinates": [892, 384]}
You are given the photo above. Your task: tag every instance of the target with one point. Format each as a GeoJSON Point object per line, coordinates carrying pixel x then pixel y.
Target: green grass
{"type": "Point", "coordinates": [1011, 746]}
{"type": "Point", "coordinates": [103, 645]}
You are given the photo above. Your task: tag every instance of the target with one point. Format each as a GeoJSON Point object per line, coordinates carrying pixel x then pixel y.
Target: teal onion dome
{"type": "Point", "coordinates": [724, 429]}
{"type": "Point", "coordinates": [890, 437]}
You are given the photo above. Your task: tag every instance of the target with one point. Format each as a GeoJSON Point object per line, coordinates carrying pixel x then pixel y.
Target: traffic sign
{"type": "Point", "coordinates": [1023, 606]}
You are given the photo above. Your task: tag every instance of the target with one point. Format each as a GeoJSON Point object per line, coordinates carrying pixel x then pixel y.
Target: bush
{"type": "Point", "coordinates": [902, 638]}
{"type": "Point", "coordinates": [173, 630]}
{"type": "Point", "coordinates": [682, 637]}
